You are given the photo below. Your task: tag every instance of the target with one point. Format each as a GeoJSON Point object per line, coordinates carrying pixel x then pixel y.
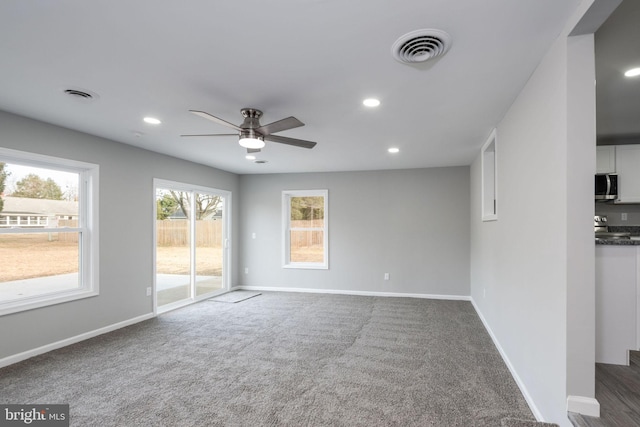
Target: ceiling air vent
{"type": "Point", "coordinates": [81, 94]}
{"type": "Point", "coordinates": [421, 45]}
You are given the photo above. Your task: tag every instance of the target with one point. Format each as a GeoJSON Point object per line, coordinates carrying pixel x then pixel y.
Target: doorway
{"type": "Point", "coordinates": [191, 243]}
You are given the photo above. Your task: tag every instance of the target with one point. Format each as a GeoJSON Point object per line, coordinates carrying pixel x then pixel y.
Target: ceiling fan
{"type": "Point", "coordinates": [252, 134]}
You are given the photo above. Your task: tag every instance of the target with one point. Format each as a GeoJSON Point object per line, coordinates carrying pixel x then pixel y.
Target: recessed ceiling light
{"type": "Point", "coordinates": [152, 120]}
{"type": "Point", "coordinates": [371, 102]}
{"type": "Point", "coordinates": [393, 150]}
{"type": "Point", "coordinates": [632, 72]}
{"type": "Point", "coordinates": [250, 157]}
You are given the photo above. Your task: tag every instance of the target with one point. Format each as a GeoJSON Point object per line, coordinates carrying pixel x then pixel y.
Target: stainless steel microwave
{"type": "Point", "coordinates": [606, 186]}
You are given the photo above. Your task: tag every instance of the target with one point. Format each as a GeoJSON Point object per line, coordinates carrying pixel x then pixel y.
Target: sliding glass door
{"type": "Point", "coordinates": [191, 243]}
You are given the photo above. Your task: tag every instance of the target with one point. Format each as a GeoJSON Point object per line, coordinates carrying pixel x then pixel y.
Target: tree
{"type": "Point", "coordinates": [3, 178]}
{"type": "Point", "coordinates": [166, 206]}
{"type": "Point", "coordinates": [307, 208]}
{"type": "Point", "coordinates": [206, 204]}
{"type": "Point", "coordinates": [34, 187]}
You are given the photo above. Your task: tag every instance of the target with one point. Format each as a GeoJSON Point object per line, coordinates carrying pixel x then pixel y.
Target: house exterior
{"type": "Point", "coordinates": [26, 212]}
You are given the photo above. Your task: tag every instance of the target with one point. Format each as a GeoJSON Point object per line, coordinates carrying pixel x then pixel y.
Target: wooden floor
{"type": "Point", "coordinates": [618, 391]}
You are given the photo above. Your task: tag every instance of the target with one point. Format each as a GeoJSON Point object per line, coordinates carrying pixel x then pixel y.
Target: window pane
{"type": "Point", "coordinates": [37, 197]}
{"type": "Point", "coordinates": [306, 246]}
{"type": "Point", "coordinates": [306, 228]}
{"type": "Point", "coordinates": [209, 243]}
{"type": "Point", "coordinates": [38, 263]}
{"type": "Point", "coordinates": [307, 212]}
{"type": "Point", "coordinates": [173, 260]}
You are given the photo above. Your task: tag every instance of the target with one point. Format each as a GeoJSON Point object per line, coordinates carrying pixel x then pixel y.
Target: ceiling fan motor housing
{"type": "Point", "coordinates": [250, 133]}
{"type": "Point", "coordinates": [251, 120]}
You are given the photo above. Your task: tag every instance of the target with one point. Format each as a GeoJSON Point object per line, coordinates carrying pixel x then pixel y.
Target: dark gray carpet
{"type": "Point", "coordinates": [283, 359]}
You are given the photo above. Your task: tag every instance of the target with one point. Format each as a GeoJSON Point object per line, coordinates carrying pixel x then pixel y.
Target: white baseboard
{"type": "Point", "coordinates": [583, 405]}
{"type": "Point", "coordinates": [523, 389]}
{"type": "Point", "coordinates": [10, 360]}
{"type": "Point", "coordinates": [361, 293]}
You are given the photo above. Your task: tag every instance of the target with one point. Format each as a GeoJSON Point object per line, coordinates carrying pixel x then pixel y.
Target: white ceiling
{"type": "Point", "coordinates": [312, 59]}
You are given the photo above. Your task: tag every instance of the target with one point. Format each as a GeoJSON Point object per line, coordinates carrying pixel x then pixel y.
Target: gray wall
{"type": "Point", "coordinates": [532, 270]}
{"type": "Point", "coordinates": [126, 229]}
{"type": "Point", "coordinates": [412, 224]}
{"type": "Point", "coordinates": [614, 213]}
{"type": "Point", "coordinates": [581, 162]}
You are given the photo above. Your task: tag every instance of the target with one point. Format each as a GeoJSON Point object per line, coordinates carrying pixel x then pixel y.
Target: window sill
{"type": "Point", "coordinates": [16, 306]}
{"type": "Point", "coordinates": [306, 266]}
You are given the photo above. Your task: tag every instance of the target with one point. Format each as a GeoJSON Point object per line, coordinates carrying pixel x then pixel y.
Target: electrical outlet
{"type": "Point", "coordinates": [623, 216]}
{"type": "Point", "coordinates": [386, 276]}
{"type": "Point", "coordinates": [246, 270]}
{"type": "Point", "coordinates": [253, 235]}
{"type": "Point", "coordinates": [149, 291]}
{"type": "Point", "coordinates": [484, 293]}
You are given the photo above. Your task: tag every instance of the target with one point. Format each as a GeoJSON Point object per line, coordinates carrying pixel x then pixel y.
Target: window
{"type": "Point", "coordinates": [306, 229]}
{"type": "Point", "coordinates": [489, 179]}
{"type": "Point", "coordinates": [48, 230]}
{"type": "Point", "coordinates": [191, 243]}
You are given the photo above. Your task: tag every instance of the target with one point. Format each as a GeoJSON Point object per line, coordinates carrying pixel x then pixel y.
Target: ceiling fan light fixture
{"type": "Point", "coordinates": [249, 142]}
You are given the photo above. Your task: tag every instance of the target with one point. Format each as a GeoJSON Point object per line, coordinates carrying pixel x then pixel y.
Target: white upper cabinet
{"type": "Point", "coordinates": [628, 168]}
{"type": "Point", "coordinates": [606, 159]}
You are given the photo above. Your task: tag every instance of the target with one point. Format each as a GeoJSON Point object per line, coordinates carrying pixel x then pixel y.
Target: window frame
{"type": "Point", "coordinates": [286, 228]}
{"type": "Point", "coordinates": [227, 278]}
{"type": "Point", "coordinates": [88, 251]}
{"type": "Point", "coordinates": [489, 166]}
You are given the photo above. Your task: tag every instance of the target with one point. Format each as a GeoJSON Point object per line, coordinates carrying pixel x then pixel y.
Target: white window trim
{"type": "Point", "coordinates": [489, 213]}
{"type": "Point", "coordinates": [286, 216]}
{"type": "Point", "coordinates": [88, 228]}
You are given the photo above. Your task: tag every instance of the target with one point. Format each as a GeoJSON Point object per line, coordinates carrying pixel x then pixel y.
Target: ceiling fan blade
{"type": "Point", "coordinates": [253, 150]}
{"type": "Point", "coordinates": [212, 134]}
{"type": "Point", "coordinates": [215, 119]}
{"type": "Point", "coordinates": [280, 125]}
{"type": "Point", "coordinates": [290, 141]}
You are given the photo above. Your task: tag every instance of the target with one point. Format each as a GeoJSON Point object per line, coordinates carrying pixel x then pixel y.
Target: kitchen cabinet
{"type": "Point", "coordinates": [627, 165]}
{"type": "Point", "coordinates": [606, 159]}
{"type": "Point", "coordinates": [617, 291]}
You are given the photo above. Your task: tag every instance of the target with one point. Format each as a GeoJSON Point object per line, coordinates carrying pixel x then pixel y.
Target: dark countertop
{"type": "Point", "coordinates": [633, 229]}
{"type": "Point", "coordinates": [618, 242]}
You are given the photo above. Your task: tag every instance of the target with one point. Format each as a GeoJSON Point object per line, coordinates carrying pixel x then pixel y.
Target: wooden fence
{"type": "Point", "coordinates": [307, 223]}
{"type": "Point", "coordinates": [176, 233]}
{"type": "Point", "coordinates": [305, 239]}
{"type": "Point", "coordinates": [208, 233]}
{"type": "Point", "coordinates": [306, 233]}
{"type": "Point", "coordinates": [66, 237]}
